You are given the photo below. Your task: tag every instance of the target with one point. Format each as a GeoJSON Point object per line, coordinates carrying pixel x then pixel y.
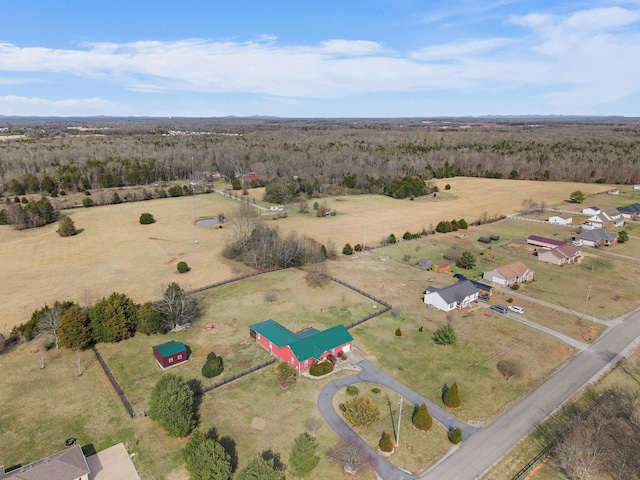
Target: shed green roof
{"type": "Point", "coordinates": [169, 348]}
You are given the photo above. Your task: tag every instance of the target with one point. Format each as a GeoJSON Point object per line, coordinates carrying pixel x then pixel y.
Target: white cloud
{"type": "Point", "coordinates": [26, 106]}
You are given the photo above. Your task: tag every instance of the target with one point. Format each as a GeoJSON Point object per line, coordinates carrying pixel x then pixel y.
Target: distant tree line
{"type": "Point", "coordinates": [373, 156]}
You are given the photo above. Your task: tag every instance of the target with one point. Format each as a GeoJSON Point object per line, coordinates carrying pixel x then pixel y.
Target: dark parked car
{"type": "Point", "coordinates": [498, 308]}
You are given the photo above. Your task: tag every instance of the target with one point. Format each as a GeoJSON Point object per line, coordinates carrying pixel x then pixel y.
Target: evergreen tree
{"type": "Point", "coordinates": [347, 250]}
{"type": "Point", "coordinates": [260, 469]}
{"type": "Point", "coordinates": [466, 261]}
{"type": "Point", "coordinates": [361, 410]}
{"type": "Point", "coordinates": [213, 366]}
{"type": "Point", "coordinates": [445, 335]}
{"type": "Point", "coordinates": [392, 239]}
{"type": "Point", "coordinates": [577, 197]}
{"type": "Point", "coordinates": [422, 419]}
{"type": "Point", "coordinates": [146, 219]}
{"type": "Point", "coordinates": [171, 405]}
{"type": "Point", "coordinates": [386, 443]}
{"type": "Point", "coordinates": [206, 459]}
{"type": "Point", "coordinates": [323, 252]}
{"type": "Point", "coordinates": [66, 228]}
{"type": "Point", "coordinates": [455, 435]}
{"type": "Point", "coordinates": [74, 329]}
{"type": "Point", "coordinates": [462, 224]}
{"type": "Point", "coordinates": [303, 457]}
{"type": "Point", "coordinates": [452, 397]}
{"type": "Point", "coordinates": [149, 322]}
{"type": "Point", "coordinates": [623, 236]}
{"type": "Point", "coordinates": [113, 319]}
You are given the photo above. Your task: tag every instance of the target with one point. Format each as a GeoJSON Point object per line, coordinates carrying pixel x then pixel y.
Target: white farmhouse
{"type": "Point", "coordinates": [459, 295]}
{"type": "Point", "coordinates": [562, 219]}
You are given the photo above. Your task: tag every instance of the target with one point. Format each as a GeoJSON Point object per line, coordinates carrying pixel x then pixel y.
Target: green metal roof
{"type": "Point", "coordinates": [313, 346]}
{"type": "Point", "coordinates": [169, 348]}
{"type": "Point", "coordinates": [310, 343]}
{"type": "Point", "coordinates": [276, 333]}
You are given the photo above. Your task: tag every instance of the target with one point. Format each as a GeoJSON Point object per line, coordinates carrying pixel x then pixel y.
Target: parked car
{"type": "Point", "coordinates": [486, 298]}
{"type": "Point", "coordinates": [498, 308]}
{"type": "Point", "coordinates": [577, 243]}
{"type": "Point", "coordinates": [515, 308]}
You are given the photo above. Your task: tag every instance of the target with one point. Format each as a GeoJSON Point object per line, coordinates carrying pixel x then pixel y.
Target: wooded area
{"type": "Point", "coordinates": [49, 156]}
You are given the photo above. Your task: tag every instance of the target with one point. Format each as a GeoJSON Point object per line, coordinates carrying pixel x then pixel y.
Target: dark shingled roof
{"type": "Point", "coordinates": [457, 292]}
{"type": "Point", "coordinates": [70, 464]}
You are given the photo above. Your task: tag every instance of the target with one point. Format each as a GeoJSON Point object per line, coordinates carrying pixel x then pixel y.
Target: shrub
{"type": "Point", "coordinates": [577, 197]}
{"type": "Point", "coordinates": [445, 335]}
{"type": "Point", "coordinates": [392, 239]}
{"type": "Point", "coordinates": [319, 369]}
{"type": "Point", "coordinates": [183, 267]}
{"type": "Point", "coordinates": [115, 199]}
{"type": "Point", "coordinates": [386, 442]}
{"type": "Point", "coordinates": [422, 419]}
{"type": "Point", "coordinates": [462, 224]}
{"type": "Point", "coordinates": [623, 236]}
{"type": "Point", "coordinates": [269, 297]}
{"type": "Point", "coordinates": [398, 332]}
{"type": "Point", "coordinates": [343, 407]}
{"type": "Point", "coordinates": [407, 236]}
{"type": "Point", "coordinates": [352, 390]}
{"type": "Point", "coordinates": [509, 368]}
{"type": "Point", "coordinates": [213, 366]}
{"type": "Point", "coordinates": [87, 202]}
{"type": "Point", "coordinates": [66, 228]}
{"type": "Point", "coordinates": [452, 397]}
{"type": "Point", "coordinates": [285, 375]}
{"type": "Point", "coordinates": [514, 286]}
{"type": "Point", "coordinates": [467, 261]}
{"type": "Point", "coordinates": [510, 300]}
{"type": "Point", "coordinates": [147, 219]}
{"type": "Point", "coordinates": [455, 435]}
{"type": "Point", "coordinates": [447, 187]}
{"type": "Point", "coordinates": [375, 390]}
{"type": "Point", "coordinates": [357, 247]}
{"type": "Point", "coordinates": [361, 411]}
{"type": "Point", "coordinates": [347, 250]}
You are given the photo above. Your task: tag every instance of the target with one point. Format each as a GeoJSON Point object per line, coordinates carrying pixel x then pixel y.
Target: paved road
{"type": "Point", "coordinates": [373, 374]}
{"type": "Point", "coordinates": [561, 336]}
{"type": "Point", "coordinates": [484, 449]}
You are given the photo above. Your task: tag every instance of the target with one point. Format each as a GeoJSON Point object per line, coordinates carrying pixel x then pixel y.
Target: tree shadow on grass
{"type": "Point", "coordinates": [228, 444]}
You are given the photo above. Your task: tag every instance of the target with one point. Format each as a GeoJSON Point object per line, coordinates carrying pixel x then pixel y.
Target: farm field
{"type": "Point", "coordinates": [114, 252]}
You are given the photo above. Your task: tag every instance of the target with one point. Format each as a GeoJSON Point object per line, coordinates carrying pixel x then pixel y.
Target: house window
{"type": "Point", "coordinates": [270, 347]}
{"type": "Point", "coordinates": [180, 357]}
{"type": "Point", "coordinates": [257, 336]}
{"type": "Point", "coordinates": [306, 363]}
{"type": "Point", "coordinates": [170, 359]}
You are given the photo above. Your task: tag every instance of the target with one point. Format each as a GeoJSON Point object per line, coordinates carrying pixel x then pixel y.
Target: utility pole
{"type": "Point", "coordinates": [399, 419]}
{"type": "Point", "coordinates": [586, 302]}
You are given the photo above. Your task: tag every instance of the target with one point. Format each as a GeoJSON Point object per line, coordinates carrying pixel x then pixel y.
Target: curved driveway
{"type": "Point", "coordinates": [372, 374]}
{"type": "Point", "coordinates": [480, 451]}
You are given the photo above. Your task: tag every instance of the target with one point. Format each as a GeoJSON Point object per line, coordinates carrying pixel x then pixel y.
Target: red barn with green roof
{"type": "Point", "coordinates": [170, 354]}
{"type": "Point", "coordinates": [301, 349]}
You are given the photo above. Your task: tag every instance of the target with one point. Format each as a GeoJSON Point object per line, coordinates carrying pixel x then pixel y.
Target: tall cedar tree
{"type": "Point", "coordinates": [422, 419]}
{"type": "Point", "coordinates": [466, 261]}
{"type": "Point", "coordinates": [74, 329]}
{"type": "Point", "coordinates": [171, 405]}
{"type": "Point", "coordinates": [452, 397]}
{"type": "Point", "coordinates": [149, 322]}
{"type": "Point", "coordinates": [386, 442]}
{"type": "Point", "coordinates": [213, 366]}
{"type": "Point", "coordinates": [113, 319]}
{"type": "Point", "coordinates": [260, 469]}
{"type": "Point", "coordinates": [303, 457]}
{"type": "Point", "coordinates": [66, 228]}
{"type": "Point", "coordinates": [206, 459]}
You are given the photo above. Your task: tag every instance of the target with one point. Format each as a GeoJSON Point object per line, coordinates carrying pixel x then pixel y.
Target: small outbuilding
{"type": "Point", "coordinates": [591, 211]}
{"type": "Point", "coordinates": [442, 267]}
{"type": "Point", "coordinates": [561, 219]}
{"type": "Point", "coordinates": [170, 354]}
{"type": "Point", "coordinates": [424, 263]}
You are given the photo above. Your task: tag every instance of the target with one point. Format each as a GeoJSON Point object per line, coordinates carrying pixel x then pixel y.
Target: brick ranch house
{"type": "Point", "coordinates": [515, 272]}
{"type": "Point", "coordinates": [302, 349]}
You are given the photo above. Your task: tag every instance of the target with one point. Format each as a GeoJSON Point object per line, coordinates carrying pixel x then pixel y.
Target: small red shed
{"type": "Point", "coordinates": [170, 354]}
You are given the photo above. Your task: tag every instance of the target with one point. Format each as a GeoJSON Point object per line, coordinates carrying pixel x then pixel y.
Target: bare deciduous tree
{"type": "Point", "coordinates": [313, 424]}
{"type": "Point", "coordinates": [176, 309]}
{"type": "Point", "coordinates": [49, 322]}
{"type": "Point", "coordinates": [351, 455]}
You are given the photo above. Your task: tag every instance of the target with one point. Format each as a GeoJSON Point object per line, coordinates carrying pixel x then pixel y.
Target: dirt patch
{"type": "Point", "coordinates": [258, 423]}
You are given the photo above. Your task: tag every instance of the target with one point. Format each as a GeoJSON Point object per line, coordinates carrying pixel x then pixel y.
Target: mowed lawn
{"type": "Point", "coordinates": [223, 328]}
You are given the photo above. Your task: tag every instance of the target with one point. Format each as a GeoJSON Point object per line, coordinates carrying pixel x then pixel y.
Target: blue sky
{"type": "Point", "coordinates": [304, 58]}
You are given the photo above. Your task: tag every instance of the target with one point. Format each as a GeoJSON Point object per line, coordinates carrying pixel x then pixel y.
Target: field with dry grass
{"type": "Point", "coordinates": [113, 252]}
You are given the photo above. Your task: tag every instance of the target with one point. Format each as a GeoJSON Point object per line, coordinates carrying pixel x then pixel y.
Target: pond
{"type": "Point", "coordinates": [207, 222]}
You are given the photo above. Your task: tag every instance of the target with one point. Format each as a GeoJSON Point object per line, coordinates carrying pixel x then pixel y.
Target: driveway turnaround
{"type": "Point", "coordinates": [372, 374]}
